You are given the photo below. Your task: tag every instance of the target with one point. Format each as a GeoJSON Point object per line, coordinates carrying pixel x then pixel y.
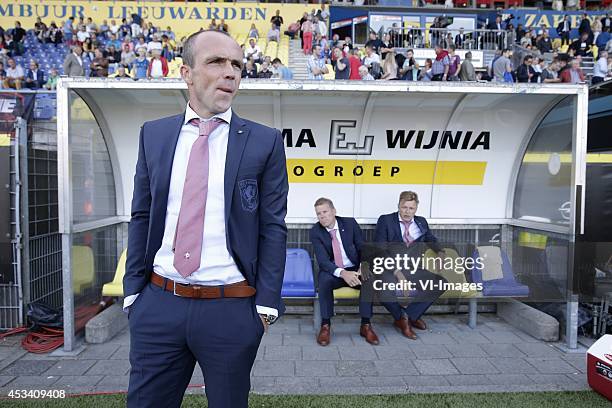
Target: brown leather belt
{"type": "Point", "coordinates": [234, 290]}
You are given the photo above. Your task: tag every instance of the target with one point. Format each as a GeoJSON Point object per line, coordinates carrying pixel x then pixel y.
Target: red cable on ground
{"type": "Point", "coordinates": [48, 339]}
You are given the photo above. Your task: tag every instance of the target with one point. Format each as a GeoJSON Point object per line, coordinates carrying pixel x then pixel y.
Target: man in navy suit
{"type": "Point", "coordinates": [35, 78]}
{"type": "Point", "coordinates": [337, 243]}
{"type": "Point", "coordinates": [406, 227]}
{"type": "Point", "coordinates": [207, 238]}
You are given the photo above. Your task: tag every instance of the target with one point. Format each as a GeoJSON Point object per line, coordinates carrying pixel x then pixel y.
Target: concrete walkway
{"type": "Point", "coordinates": [449, 357]}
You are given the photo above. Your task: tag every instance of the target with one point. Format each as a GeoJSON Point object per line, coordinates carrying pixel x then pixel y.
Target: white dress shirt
{"type": "Point", "coordinates": [345, 259]}
{"type": "Point", "coordinates": [414, 230]}
{"type": "Point", "coordinates": [217, 267]}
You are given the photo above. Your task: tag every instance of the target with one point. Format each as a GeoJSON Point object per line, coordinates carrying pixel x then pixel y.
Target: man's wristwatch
{"type": "Point", "coordinates": [268, 318]}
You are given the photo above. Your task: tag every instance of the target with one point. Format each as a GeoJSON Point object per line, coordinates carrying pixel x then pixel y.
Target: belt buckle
{"type": "Point", "coordinates": [174, 289]}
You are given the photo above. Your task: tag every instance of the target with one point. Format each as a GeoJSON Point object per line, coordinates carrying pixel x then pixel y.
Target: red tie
{"type": "Point", "coordinates": [190, 226]}
{"type": "Point", "coordinates": [336, 248]}
{"type": "Point", "coordinates": [407, 238]}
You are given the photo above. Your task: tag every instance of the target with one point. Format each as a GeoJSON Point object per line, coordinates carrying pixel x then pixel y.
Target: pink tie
{"type": "Point", "coordinates": [407, 238]}
{"type": "Point", "coordinates": [336, 248]}
{"type": "Point", "coordinates": [190, 225]}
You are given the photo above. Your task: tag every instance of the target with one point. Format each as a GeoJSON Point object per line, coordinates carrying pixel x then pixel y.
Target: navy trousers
{"type": "Point", "coordinates": [421, 300]}
{"type": "Point", "coordinates": [327, 284]}
{"type": "Point", "coordinates": [170, 333]}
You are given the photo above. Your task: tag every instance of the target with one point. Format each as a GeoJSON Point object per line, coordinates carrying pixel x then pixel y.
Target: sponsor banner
{"type": "Point", "coordinates": [535, 18]}
{"type": "Point", "coordinates": [182, 17]}
{"type": "Point", "coordinates": [13, 105]}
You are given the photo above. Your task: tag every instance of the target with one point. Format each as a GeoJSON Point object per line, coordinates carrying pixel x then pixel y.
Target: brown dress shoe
{"type": "Point", "coordinates": [324, 334]}
{"type": "Point", "coordinates": [403, 325]}
{"type": "Point", "coordinates": [367, 332]}
{"type": "Point", "coordinates": [419, 324]}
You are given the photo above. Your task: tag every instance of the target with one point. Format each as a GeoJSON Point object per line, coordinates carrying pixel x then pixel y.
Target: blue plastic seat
{"type": "Point", "coordinates": [299, 279]}
{"type": "Point", "coordinates": [506, 286]}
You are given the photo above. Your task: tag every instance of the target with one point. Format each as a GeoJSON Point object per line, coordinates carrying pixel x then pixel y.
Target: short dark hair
{"type": "Point", "coordinates": [527, 58]}
{"type": "Point", "coordinates": [188, 51]}
{"type": "Point", "coordinates": [322, 201]}
{"type": "Point", "coordinates": [275, 60]}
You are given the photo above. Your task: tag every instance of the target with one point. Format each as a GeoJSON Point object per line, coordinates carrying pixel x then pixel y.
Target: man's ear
{"type": "Point", "coordinates": [186, 74]}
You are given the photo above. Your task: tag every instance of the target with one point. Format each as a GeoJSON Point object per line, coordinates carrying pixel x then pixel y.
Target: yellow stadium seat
{"type": "Point", "coordinates": [346, 293]}
{"type": "Point", "coordinates": [115, 288]}
{"type": "Point", "coordinates": [82, 268]}
{"type": "Point", "coordinates": [450, 274]}
{"type": "Point", "coordinates": [563, 49]}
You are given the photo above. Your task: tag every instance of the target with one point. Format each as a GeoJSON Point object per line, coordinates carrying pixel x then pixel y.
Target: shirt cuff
{"type": "Point", "coordinates": [127, 302]}
{"type": "Point", "coordinates": [337, 272]}
{"type": "Point", "coordinates": [263, 310]}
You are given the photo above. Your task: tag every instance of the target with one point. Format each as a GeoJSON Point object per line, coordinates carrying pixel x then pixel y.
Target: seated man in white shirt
{"type": "Point", "coordinates": [274, 34]}
{"type": "Point", "coordinates": [253, 50]}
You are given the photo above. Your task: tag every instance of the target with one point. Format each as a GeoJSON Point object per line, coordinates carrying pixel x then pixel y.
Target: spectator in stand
{"type": "Point", "coordinates": [600, 69]}
{"type": "Point", "coordinates": [82, 34]}
{"type": "Point", "coordinates": [342, 67]}
{"type": "Point", "coordinates": [120, 73]}
{"type": "Point", "coordinates": [140, 66]}
{"type": "Point", "coordinates": [99, 65]}
{"type": "Point", "coordinates": [54, 34]}
{"type": "Point", "coordinates": [14, 75]}
{"type": "Point", "coordinates": [155, 45]}
{"type": "Point", "coordinates": [293, 29]}
{"type": "Point", "coordinates": [389, 67]}
{"type": "Point", "coordinates": [315, 65]}
{"type": "Point", "coordinates": [354, 64]}
{"type": "Point", "coordinates": [374, 42]}
{"type": "Point", "coordinates": [498, 36]}
{"type": "Point", "coordinates": [91, 26]}
{"type": "Point", "coordinates": [372, 62]}
{"type": "Point", "coordinates": [73, 63]}
{"type": "Point", "coordinates": [526, 41]}
{"type": "Point", "coordinates": [387, 46]}
{"type": "Point", "coordinates": [322, 27]}
{"type": "Point", "coordinates": [88, 49]}
{"type": "Point", "coordinates": [277, 20]}
{"type": "Point", "coordinates": [307, 35]}
{"type": "Point", "coordinates": [253, 32]}
{"type": "Point", "coordinates": [265, 71]}
{"type": "Point", "coordinates": [34, 78]}
{"type": "Point", "coordinates": [323, 13]}
{"type": "Point", "coordinates": [213, 25]}
{"type": "Point", "coordinates": [253, 51]}
{"type": "Point", "coordinates": [606, 23]}
{"type": "Point", "coordinates": [426, 72]}
{"type": "Point", "coordinates": [544, 44]}
{"type": "Point", "coordinates": [455, 64]}
{"type": "Point", "coordinates": [167, 48]}
{"type": "Point", "coordinates": [114, 56]}
{"type": "Point", "coordinates": [596, 28]}
{"type": "Point", "coordinates": [170, 33]}
{"type": "Point", "coordinates": [250, 69]}
{"type": "Point", "coordinates": [52, 80]}
{"type": "Point", "coordinates": [40, 29]}
{"type": "Point", "coordinates": [127, 56]}
{"type": "Point", "coordinates": [525, 72]}
{"type": "Point", "coordinates": [348, 44]}
{"type": "Point", "coordinates": [549, 73]}
{"type": "Point", "coordinates": [125, 28]}
{"type": "Point", "coordinates": [282, 72]}
{"type": "Point", "coordinates": [441, 65]}
{"type": "Point", "coordinates": [520, 32]}
{"type": "Point", "coordinates": [364, 75]}
{"type": "Point", "coordinates": [564, 29]}
{"type": "Point", "coordinates": [18, 36]}
{"type": "Point", "coordinates": [158, 67]}
{"type": "Point", "coordinates": [582, 46]}
{"type": "Point", "coordinates": [273, 34]}
{"type": "Point", "coordinates": [114, 41]}
{"type": "Point", "coordinates": [467, 71]}
{"type": "Point", "coordinates": [510, 36]}
{"type": "Point", "coordinates": [573, 74]}
{"type": "Point", "coordinates": [538, 67]}
{"type": "Point", "coordinates": [223, 26]}
{"type": "Point", "coordinates": [460, 39]}
{"type": "Point", "coordinates": [104, 29]}
{"type": "Point", "coordinates": [2, 74]}
{"type": "Point", "coordinates": [410, 68]}
{"type": "Point", "coordinates": [68, 29]}
{"type": "Point", "coordinates": [502, 67]}
{"type": "Point", "coordinates": [113, 28]}
{"type": "Point", "coordinates": [585, 26]}
{"type": "Point", "coordinates": [602, 39]}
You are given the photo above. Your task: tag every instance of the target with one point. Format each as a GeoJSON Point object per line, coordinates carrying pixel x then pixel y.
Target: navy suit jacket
{"type": "Point", "coordinates": [350, 233]}
{"type": "Point", "coordinates": [256, 233]}
{"type": "Point", "coordinates": [388, 230]}
{"type": "Point", "coordinates": [40, 77]}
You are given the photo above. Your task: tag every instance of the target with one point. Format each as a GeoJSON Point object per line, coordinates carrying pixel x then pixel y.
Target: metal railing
{"type": "Point", "coordinates": [473, 39]}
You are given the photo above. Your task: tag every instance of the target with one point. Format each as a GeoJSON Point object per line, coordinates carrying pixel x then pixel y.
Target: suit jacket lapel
{"type": "Point", "coordinates": [397, 230]}
{"type": "Point", "coordinates": [238, 136]}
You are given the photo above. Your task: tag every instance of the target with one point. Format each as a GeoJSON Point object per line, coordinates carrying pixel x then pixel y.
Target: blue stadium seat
{"type": "Point", "coordinates": [504, 286]}
{"type": "Point", "coordinates": [299, 279]}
